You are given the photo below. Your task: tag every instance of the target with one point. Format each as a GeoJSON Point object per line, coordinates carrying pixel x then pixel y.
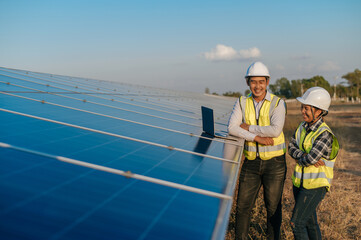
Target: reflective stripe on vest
{"type": "Point", "coordinates": [311, 176]}
{"type": "Point", "coordinates": [263, 148]}
{"type": "Point", "coordinates": [264, 119]}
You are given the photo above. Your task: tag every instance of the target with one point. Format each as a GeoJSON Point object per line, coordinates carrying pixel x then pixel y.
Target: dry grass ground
{"type": "Point", "coordinates": [339, 214]}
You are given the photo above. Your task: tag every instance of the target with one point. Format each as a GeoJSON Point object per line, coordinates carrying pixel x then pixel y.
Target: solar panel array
{"type": "Point", "coordinates": [89, 159]}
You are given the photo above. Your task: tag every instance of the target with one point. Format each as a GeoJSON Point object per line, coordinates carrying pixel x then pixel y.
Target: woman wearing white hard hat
{"type": "Point", "coordinates": [314, 148]}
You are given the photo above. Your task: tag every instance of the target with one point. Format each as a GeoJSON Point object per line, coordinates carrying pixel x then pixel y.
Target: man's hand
{"type": "Point", "coordinates": [245, 126]}
{"type": "Point", "coordinates": [319, 163]}
{"type": "Point", "coordinates": [264, 140]}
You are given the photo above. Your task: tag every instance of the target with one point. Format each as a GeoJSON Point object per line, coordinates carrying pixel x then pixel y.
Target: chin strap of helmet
{"type": "Point", "coordinates": [324, 113]}
{"type": "Point", "coordinates": [313, 115]}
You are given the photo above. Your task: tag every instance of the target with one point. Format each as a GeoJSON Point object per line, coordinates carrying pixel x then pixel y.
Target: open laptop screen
{"type": "Point", "coordinates": [208, 120]}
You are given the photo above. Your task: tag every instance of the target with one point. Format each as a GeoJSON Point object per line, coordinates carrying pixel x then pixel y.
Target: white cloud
{"type": "Point", "coordinates": [226, 53]}
{"type": "Point", "coordinates": [221, 52]}
{"type": "Point", "coordinates": [250, 53]}
{"type": "Point", "coordinates": [329, 66]}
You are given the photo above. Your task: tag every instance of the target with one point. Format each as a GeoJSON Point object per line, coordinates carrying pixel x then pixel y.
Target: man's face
{"type": "Point", "coordinates": [258, 86]}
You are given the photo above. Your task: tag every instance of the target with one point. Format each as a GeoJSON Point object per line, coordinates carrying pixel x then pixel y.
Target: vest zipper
{"type": "Point", "coordinates": [303, 149]}
{"type": "Point", "coordinates": [257, 151]}
{"type": "Point", "coordinates": [257, 119]}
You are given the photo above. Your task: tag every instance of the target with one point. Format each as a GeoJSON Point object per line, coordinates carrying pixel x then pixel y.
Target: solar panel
{"type": "Point", "coordinates": [89, 159]}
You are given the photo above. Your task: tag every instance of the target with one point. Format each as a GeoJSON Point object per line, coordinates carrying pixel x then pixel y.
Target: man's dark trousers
{"type": "Point", "coordinates": [255, 173]}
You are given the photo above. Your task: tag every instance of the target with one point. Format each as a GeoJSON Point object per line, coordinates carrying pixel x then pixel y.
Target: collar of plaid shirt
{"type": "Point", "coordinates": [314, 126]}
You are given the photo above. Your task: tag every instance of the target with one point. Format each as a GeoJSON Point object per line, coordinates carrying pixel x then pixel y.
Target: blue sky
{"type": "Point", "coordinates": [185, 45]}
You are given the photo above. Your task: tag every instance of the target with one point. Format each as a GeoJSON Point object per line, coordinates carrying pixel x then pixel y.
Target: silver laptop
{"type": "Point", "coordinates": [208, 124]}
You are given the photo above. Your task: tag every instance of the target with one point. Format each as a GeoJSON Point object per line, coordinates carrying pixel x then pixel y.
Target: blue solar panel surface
{"type": "Point", "coordinates": [88, 159]}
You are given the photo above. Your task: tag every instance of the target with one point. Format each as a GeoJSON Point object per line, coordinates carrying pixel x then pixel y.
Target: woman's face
{"type": "Point", "coordinates": [307, 115]}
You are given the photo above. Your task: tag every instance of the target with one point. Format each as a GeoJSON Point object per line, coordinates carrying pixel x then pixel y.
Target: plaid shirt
{"type": "Point", "coordinates": [321, 147]}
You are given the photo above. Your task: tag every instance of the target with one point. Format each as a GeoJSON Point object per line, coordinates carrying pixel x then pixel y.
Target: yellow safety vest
{"type": "Point", "coordinates": [312, 176]}
{"type": "Point", "coordinates": [264, 119]}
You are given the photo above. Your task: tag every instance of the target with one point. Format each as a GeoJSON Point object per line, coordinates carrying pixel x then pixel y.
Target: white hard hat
{"type": "Point", "coordinates": [317, 97]}
{"type": "Point", "coordinates": [257, 69]}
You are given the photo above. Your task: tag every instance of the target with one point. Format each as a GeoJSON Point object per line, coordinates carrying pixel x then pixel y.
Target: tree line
{"type": "Point", "coordinates": [295, 88]}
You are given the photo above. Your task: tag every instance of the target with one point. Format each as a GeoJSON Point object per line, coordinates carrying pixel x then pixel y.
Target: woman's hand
{"type": "Point", "coordinates": [319, 163]}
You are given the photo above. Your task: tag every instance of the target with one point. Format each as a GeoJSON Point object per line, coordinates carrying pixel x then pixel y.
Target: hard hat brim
{"type": "Point", "coordinates": [247, 76]}
{"type": "Point", "coordinates": [301, 100]}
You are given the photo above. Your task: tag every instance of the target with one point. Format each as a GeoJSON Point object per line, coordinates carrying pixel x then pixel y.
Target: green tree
{"type": "Point", "coordinates": [316, 81]}
{"type": "Point", "coordinates": [354, 80]}
{"type": "Point", "coordinates": [296, 88]}
{"type": "Point", "coordinates": [207, 91]}
{"type": "Point", "coordinates": [232, 94]}
{"type": "Point", "coordinates": [341, 90]}
{"type": "Point", "coordinates": [282, 88]}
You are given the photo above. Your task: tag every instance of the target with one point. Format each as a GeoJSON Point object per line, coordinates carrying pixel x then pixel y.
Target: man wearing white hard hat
{"type": "Point", "coordinates": [259, 119]}
{"type": "Point", "coordinates": [314, 148]}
